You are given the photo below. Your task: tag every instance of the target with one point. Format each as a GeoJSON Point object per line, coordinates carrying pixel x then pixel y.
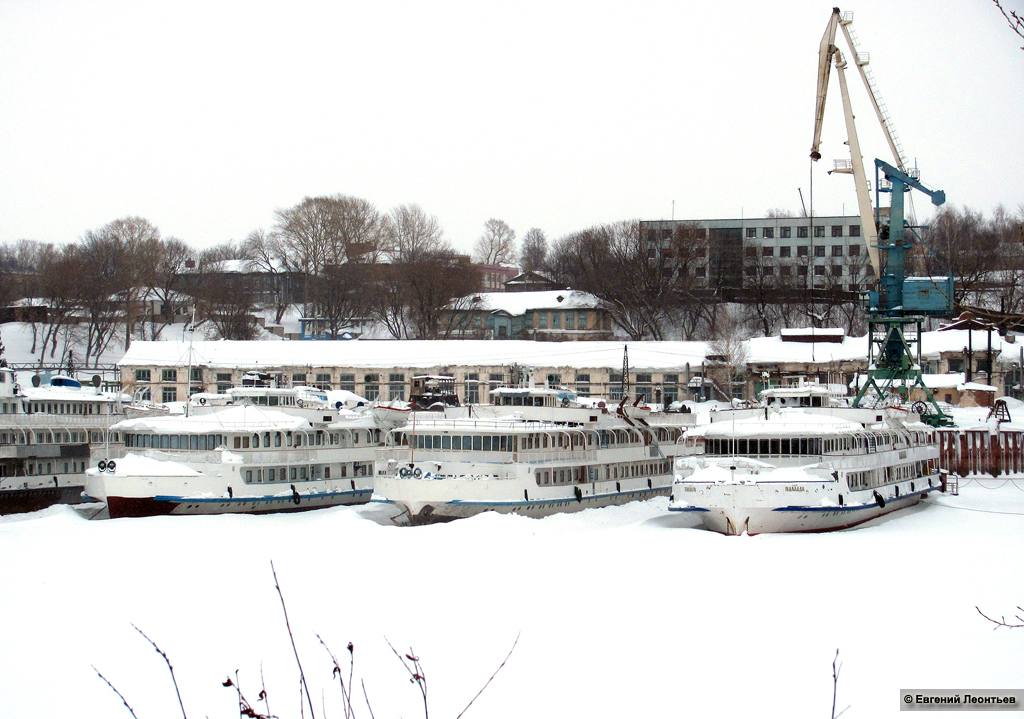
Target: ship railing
{"type": "Point", "coordinates": [534, 456]}
{"type": "Point", "coordinates": [249, 457]}
{"type": "Point", "coordinates": [40, 420]}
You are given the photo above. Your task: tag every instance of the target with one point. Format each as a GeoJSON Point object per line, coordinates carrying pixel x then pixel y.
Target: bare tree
{"type": "Point", "coordinates": [964, 245]}
{"type": "Point", "coordinates": [411, 234]}
{"type": "Point", "coordinates": [1015, 21]}
{"type": "Point", "coordinates": [635, 277]}
{"type": "Point", "coordinates": [267, 254]}
{"type": "Point", "coordinates": [533, 254]}
{"type": "Point", "coordinates": [340, 294]}
{"type": "Point", "coordinates": [778, 212]}
{"type": "Point", "coordinates": [322, 231]}
{"type": "Point", "coordinates": [497, 245]}
{"type": "Point", "coordinates": [125, 252]}
{"type": "Point", "coordinates": [166, 282]}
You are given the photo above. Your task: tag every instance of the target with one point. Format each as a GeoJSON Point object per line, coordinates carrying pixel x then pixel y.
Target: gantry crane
{"type": "Point", "coordinates": [897, 307]}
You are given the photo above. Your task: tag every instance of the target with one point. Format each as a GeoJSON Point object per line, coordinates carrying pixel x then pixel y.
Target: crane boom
{"type": "Point", "coordinates": [828, 43]}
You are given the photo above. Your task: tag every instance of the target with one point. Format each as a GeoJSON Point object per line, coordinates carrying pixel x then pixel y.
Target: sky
{"type": "Point", "coordinates": [205, 117]}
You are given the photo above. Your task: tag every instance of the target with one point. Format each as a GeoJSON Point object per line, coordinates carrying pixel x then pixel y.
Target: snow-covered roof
{"type": "Point", "coordinates": [518, 303]}
{"type": "Point", "coordinates": [775, 349]}
{"type": "Point", "coordinates": [976, 387]}
{"type": "Point", "coordinates": [225, 420]}
{"type": "Point", "coordinates": [931, 381]}
{"type": "Point", "coordinates": [415, 354]}
{"type": "Point", "coordinates": [932, 343]}
{"type": "Point", "coordinates": [814, 332]}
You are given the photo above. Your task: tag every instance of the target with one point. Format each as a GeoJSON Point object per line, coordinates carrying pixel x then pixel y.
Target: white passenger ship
{"type": "Point", "coordinates": [251, 450]}
{"type": "Point", "coordinates": [46, 434]}
{"type": "Point", "coordinates": [802, 464]}
{"type": "Point", "coordinates": [533, 452]}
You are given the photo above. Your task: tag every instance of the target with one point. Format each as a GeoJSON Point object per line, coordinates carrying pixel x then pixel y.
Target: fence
{"type": "Point", "coordinates": [980, 451]}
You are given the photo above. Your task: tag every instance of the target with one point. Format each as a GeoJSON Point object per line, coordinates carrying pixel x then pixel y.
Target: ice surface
{"type": "Point", "coordinates": [624, 611]}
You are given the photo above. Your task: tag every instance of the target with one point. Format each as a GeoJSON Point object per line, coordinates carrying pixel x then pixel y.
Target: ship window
{"type": "Point", "coordinates": [270, 475]}
{"type": "Point", "coordinates": [446, 442]}
{"type": "Point", "coordinates": [477, 443]}
{"type": "Point", "coordinates": [277, 439]}
{"type": "Point", "coordinates": [302, 472]}
{"type": "Point", "coordinates": [785, 446]}
{"type": "Point", "coordinates": [457, 442]}
{"type": "Point", "coordinates": [248, 476]}
{"type": "Point", "coordinates": [775, 446]}
{"type": "Point", "coordinates": [256, 441]}
{"type": "Point", "coordinates": [193, 441]}
{"type": "Point", "coordinates": [487, 444]}
{"type": "Point", "coordinates": [327, 471]}
{"type": "Point", "coordinates": [293, 472]}
{"type": "Point", "coordinates": [238, 442]}
{"type": "Point", "coordinates": [467, 443]}
{"type": "Point", "coordinates": [202, 441]}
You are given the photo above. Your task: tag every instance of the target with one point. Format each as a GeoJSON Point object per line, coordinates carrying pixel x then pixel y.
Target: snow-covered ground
{"type": "Point", "coordinates": [623, 611]}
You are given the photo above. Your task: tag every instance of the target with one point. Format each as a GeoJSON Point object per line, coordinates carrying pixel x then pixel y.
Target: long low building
{"type": "Point", "coordinates": [661, 371]}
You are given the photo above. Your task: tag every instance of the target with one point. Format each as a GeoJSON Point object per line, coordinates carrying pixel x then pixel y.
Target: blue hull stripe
{"type": "Point", "coordinates": [249, 500]}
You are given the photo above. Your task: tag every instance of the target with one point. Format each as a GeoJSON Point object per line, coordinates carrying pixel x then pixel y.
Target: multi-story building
{"type": "Point", "coordinates": [735, 258]}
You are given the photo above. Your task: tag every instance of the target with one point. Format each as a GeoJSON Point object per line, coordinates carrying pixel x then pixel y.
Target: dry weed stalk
{"type": "Point", "coordinates": [246, 709]}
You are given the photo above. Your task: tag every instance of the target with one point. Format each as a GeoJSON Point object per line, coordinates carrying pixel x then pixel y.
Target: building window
{"type": "Point", "coordinates": [542, 320]}
{"type": "Point", "coordinates": [570, 320]}
{"type": "Point", "coordinates": [767, 271]}
{"type": "Point", "coordinates": [700, 271]}
{"type": "Point", "coordinates": [819, 230]}
{"type": "Point", "coordinates": [802, 271]}
{"type": "Point", "coordinates": [472, 388]}
{"type": "Point", "coordinates": [819, 270]}
{"type": "Point", "coordinates": [583, 385]}
{"type": "Point", "coordinates": [837, 230]}
{"type": "Point", "coordinates": [142, 375]}
{"type": "Point", "coordinates": [785, 251]}
{"type": "Point", "coordinates": [196, 374]}
{"type": "Point", "coordinates": [751, 232]}
{"type": "Point", "coordinates": [837, 270]}
{"type": "Point", "coordinates": [323, 380]}
{"type": "Point", "coordinates": [767, 252]}
{"type": "Point", "coordinates": [145, 395]}
{"type": "Point", "coordinates": [854, 250]}
{"type": "Point", "coordinates": [785, 270]}
{"type": "Point", "coordinates": [785, 232]}
{"type": "Point", "coordinates": [169, 375]}
{"type": "Point", "coordinates": [750, 251]}
{"type": "Point", "coordinates": [556, 320]}
{"type": "Point", "coordinates": [396, 386]}
{"type": "Point", "coordinates": [643, 386]}
{"type": "Point", "coordinates": [347, 382]}
{"type": "Point", "coordinates": [749, 270]}
{"type": "Point", "coordinates": [371, 388]}
{"type": "Point", "coordinates": [837, 250]}
{"type": "Point", "coordinates": [768, 233]}
{"type": "Point", "coordinates": [169, 394]}
{"type": "Point", "coordinates": [222, 388]}
{"type": "Point", "coordinates": [299, 378]}
{"type": "Point", "coordinates": [819, 251]}
{"type": "Point", "coordinates": [801, 231]}
{"type": "Point", "coordinates": [801, 251]}
{"type": "Point", "coordinates": [581, 321]}
{"type": "Point", "coordinates": [854, 230]}
{"type": "Point", "coordinates": [224, 377]}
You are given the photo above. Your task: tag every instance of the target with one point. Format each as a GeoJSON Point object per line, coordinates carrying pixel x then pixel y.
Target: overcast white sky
{"type": "Point", "coordinates": [204, 117]}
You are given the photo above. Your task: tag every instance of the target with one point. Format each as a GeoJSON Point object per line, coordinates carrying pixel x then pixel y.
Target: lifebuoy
{"type": "Point", "coordinates": [403, 472]}
{"type": "Point", "coordinates": [299, 403]}
{"type": "Point", "coordinates": [111, 466]}
{"type": "Point", "coordinates": [202, 400]}
{"type": "Point", "coordinates": [417, 473]}
{"type": "Point", "coordinates": [102, 466]}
